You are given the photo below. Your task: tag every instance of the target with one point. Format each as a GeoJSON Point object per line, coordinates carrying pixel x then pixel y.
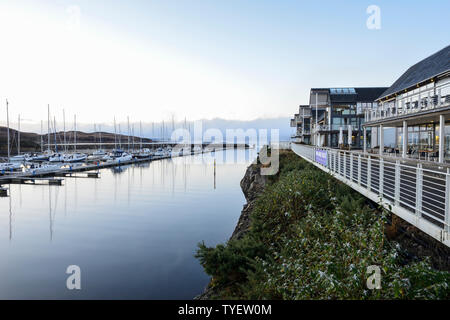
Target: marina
{"type": "Point", "coordinates": [90, 170]}
{"type": "Point", "coordinates": [142, 219]}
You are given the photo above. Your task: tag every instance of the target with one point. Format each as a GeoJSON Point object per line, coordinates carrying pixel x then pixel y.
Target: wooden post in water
{"type": "Point", "coordinates": [214, 173]}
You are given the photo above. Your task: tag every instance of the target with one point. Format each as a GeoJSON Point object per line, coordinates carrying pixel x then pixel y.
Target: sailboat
{"type": "Point", "coordinates": [117, 152]}
{"type": "Point", "coordinates": [56, 157]}
{"type": "Point", "coordinates": [143, 152]}
{"type": "Point", "coordinates": [8, 166]}
{"type": "Point", "coordinates": [19, 157]}
{"type": "Point", "coordinates": [43, 156]}
{"type": "Point", "coordinates": [42, 168]}
{"type": "Point", "coordinates": [124, 157]}
{"type": "Point", "coordinates": [76, 156]}
{"type": "Point", "coordinates": [98, 153]}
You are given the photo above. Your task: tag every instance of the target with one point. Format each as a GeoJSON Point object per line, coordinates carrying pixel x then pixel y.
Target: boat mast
{"type": "Point", "coordinates": [54, 128]}
{"type": "Point", "coordinates": [120, 138]}
{"type": "Point", "coordinates": [95, 137]}
{"type": "Point", "coordinates": [18, 136]}
{"type": "Point", "coordinates": [48, 127]}
{"type": "Point", "coordinates": [42, 137]}
{"type": "Point", "coordinates": [140, 133]}
{"type": "Point", "coordinates": [128, 120]}
{"type": "Point", "coordinates": [100, 134]}
{"type": "Point", "coordinates": [75, 131]}
{"type": "Point", "coordinates": [173, 126]}
{"type": "Point", "coordinates": [7, 123]}
{"type": "Point", "coordinates": [64, 125]}
{"type": "Point", "coordinates": [115, 134]}
{"type": "Point", "coordinates": [132, 132]}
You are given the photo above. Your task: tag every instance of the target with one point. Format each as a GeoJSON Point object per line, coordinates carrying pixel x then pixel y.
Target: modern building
{"type": "Point", "coordinates": [418, 106]}
{"type": "Point", "coordinates": [411, 179]}
{"type": "Point", "coordinates": [338, 115]}
{"type": "Point", "coordinates": [302, 124]}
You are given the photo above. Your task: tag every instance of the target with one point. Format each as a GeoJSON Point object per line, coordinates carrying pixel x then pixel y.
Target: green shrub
{"type": "Point", "coordinates": [230, 262]}
{"type": "Point", "coordinates": [312, 237]}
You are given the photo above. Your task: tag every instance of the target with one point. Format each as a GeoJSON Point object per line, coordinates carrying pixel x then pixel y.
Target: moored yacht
{"type": "Point", "coordinates": [159, 152]}
{"type": "Point", "coordinates": [124, 157]}
{"type": "Point", "coordinates": [8, 166]}
{"type": "Point", "coordinates": [18, 158]}
{"type": "Point", "coordinates": [57, 157]}
{"type": "Point", "coordinates": [97, 155]}
{"type": "Point", "coordinates": [44, 168]}
{"type": "Point", "coordinates": [144, 153]}
{"type": "Point", "coordinates": [45, 156]}
{"type": "Point", "coordinates": [76, 157]}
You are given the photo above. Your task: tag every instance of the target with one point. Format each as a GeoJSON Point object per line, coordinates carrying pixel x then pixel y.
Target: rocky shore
{"type": "Point", "coordinates": [415, 244]}
{"type": "Point", "coordinates": [252, 185]}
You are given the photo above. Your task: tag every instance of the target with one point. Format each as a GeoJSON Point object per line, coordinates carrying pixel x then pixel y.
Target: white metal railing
{"type": "Point", "coordinates": [417, 192]}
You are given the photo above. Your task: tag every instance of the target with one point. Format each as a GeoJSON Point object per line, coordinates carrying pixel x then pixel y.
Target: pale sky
{"type": "Point", "coordinates": [200, 59]}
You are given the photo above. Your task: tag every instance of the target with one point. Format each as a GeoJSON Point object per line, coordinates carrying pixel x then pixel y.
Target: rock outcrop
{"type": "Point", "coordinates": [252, 186]}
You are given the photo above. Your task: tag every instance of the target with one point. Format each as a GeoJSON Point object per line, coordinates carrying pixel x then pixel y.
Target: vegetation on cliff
{"type": "Point", "coordinates": [312, 237]}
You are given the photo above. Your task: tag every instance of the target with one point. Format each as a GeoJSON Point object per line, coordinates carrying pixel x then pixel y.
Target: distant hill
{"type": "Point", "coordinates": [31, 142]}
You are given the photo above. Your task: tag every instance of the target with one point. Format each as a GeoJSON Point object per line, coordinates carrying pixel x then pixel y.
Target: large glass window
{"type": "Point", "coordinates": [420, 138]}
{"type": "Point", "coordinates": [447, 142]}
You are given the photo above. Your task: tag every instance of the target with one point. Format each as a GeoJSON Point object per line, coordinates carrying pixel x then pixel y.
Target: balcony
{"type": "Point", "coordinates": [321, 128]}
{"type": "Point", "coordinates": [301, 133]}
{"type": "Point", "coordinates": [392, 110]}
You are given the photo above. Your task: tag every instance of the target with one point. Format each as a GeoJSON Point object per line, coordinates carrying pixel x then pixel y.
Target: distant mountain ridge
{"type": "Point", "coordinates": [31, 142]}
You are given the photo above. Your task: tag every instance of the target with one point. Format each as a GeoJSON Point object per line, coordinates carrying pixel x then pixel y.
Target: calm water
{"type": "Point", "coordinates": [133, 232]}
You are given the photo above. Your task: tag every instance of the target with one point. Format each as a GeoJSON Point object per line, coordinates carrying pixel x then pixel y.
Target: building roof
{"type": "Point", "coordinates": [369, 94]}
{"type": "Point", "coordinates": [348, 95]}
{"type": "Point", "coordinates": [426, 69]}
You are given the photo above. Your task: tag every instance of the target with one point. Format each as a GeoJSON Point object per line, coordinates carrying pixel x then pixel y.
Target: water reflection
{"type": "Point", "coordinates": [10, 217]}
{"type": "Point", "coordinates": [135, 229]}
